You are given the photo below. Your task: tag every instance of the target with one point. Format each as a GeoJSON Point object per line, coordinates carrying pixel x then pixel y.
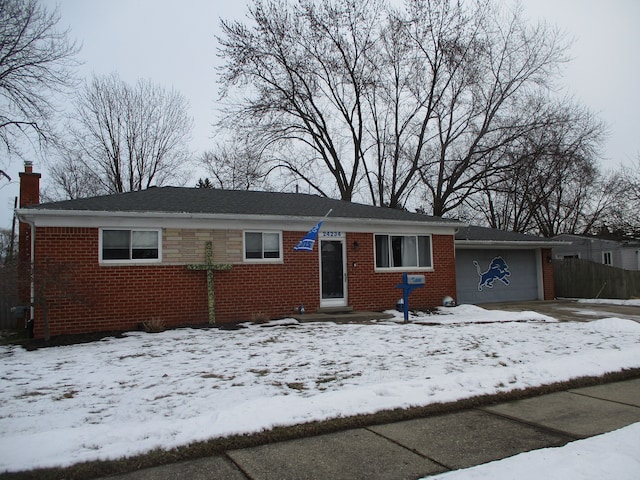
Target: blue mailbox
{"type": "Point", "coordinates": [409, 283]}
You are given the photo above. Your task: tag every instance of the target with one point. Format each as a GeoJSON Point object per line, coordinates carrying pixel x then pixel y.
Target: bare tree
{"type": "Point", "coordinates": [624, 216]}
{"type": "Point", "coordinates": [632, 180]}
{"type": "Point", "coordinates": [72, 177]}
{"type": "Point", "coordinates": [414, 65]}
{"type": "Point", "coordinates": [389, 104]}
{"type": "Point", "coordinates": [50, 284]}
{"type": "Point", "coordinates": [125, 138]}
{"type": "Point", "coordinates": [236, 165]}
{"type": "Point", "coordinates": [551, 183]}
{"type": "Point", "coordinates": [8, 244]}
{"type": "Point", "coordinates": [37, 61]}
{"type": "Point", "coordinates": [307, 70]}
{"type": "Point", "coordinates": [491, 102]}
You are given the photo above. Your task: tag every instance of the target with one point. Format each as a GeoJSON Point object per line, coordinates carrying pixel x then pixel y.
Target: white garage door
{"type": "Point", "coordinates": [485, 276]}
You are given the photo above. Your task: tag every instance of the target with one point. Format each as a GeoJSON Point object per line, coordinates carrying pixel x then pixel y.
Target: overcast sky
{"type": "Point", "coordinates": [173, 44]}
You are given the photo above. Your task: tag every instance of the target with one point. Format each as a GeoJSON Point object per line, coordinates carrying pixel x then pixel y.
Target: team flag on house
{"type": "Point", "coordinates": [306, 244]}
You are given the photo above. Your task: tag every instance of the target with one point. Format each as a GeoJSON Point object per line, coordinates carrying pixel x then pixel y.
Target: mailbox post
{"type": "Point", "coordinates": [409, 283]}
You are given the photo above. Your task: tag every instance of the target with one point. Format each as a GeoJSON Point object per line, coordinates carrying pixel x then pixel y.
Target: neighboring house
{"type": "Point", "coordinates": [187, 256]}
{"type": "Point", "coordinates": [498, 266]}
{"type": "Point", "coordinates": [616, 251]}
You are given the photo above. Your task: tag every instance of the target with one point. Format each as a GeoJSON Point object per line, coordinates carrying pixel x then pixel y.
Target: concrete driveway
{"type": "Point", "coordinates": [570, 310]}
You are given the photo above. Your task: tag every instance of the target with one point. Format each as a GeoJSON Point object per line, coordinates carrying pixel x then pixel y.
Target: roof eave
{"type": "Point", "coordinates": [509, 243]}
{"type": "Point", "coordinates": [32, 215]}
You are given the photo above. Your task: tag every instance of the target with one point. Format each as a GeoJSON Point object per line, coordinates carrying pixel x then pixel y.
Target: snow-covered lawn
{"type": "Point", "coordinates": [120, 397]}
{"type": "Point", "coordinates": [613, 455]}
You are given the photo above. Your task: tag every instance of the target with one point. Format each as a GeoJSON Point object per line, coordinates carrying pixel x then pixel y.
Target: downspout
{"type": "Point", "coordinates": [32, 280]}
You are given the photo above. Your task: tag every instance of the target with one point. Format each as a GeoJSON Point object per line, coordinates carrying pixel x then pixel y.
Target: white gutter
{"type": "Point", "coordinates": [44, 217]}
{"type": "Point", "coordinates": [467, 244]}
{"type": "Point", "coordinates": [32, 284]}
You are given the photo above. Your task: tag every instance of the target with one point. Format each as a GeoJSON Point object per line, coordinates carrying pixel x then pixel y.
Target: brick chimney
{"type": "Point", "coordinates": [29, 195]}
{"type": "Point", "coordinates": [29, 186]}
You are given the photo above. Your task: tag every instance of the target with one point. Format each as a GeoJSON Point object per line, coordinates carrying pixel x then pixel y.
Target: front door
{"type": "Point", "coordinates": [333, 278]}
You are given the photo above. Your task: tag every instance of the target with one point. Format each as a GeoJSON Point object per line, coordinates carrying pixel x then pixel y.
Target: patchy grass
{"type": "Point", "coordinates": [296, 386]}
{"type": "Point", "coordinates": [68, 394]}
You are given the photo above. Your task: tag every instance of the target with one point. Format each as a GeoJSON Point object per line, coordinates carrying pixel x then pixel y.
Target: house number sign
{"type": "Point", "coordinates": [332, 234]}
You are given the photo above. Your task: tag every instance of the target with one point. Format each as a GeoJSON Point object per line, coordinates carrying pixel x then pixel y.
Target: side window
{"type": "Point", "coordinates": [607, 258]}
{"type": "Point", "coordinates": [130, 245]}
{"type": "Point", "coordinates": [265, 246]}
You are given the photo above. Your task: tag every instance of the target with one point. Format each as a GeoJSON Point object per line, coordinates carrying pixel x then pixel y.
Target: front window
{"type": "Point", "coordinates": [262, 246]}
{"type": "Point", "coordinates": [403, 251]}
{"type": "Point", "coordinates": [130, 245]}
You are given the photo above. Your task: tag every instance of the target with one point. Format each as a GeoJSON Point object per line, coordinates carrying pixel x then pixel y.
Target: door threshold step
{"type": "Point", "coordinates": [335, 310]}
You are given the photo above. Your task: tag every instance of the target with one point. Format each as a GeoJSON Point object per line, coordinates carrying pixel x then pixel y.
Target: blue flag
{"type": "Point", "coordinates": [306, 244]}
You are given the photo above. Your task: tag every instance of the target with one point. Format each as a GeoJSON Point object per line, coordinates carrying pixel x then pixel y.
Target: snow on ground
{"type": "Point", "coordinates": [471, 314]}
{"type": "Point", "coordinates": [611, 455]}
{"type": "Point", "coordinates": [122, 397]}
{"type": "Point", "coordinates": [611, 301]}
{"type": "Point", "coordinates": [604, 301]}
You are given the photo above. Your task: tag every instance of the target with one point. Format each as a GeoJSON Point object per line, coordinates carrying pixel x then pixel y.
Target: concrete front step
{"type": "Point", "coordinates": [333, 310]}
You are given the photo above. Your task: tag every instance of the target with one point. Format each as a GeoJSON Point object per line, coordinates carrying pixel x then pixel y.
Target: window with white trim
{"type": "Point", "coordinates": [403, 251]}
{"type": "Point", "coordinates": [607, 258]}
{"type": "Point", "coordinates": [124, 245]}
{"type": "Point", "coordinates": [265, 246]}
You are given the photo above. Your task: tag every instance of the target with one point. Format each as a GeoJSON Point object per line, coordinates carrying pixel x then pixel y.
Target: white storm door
{"type": "Point", "coordinates": [333, 277]}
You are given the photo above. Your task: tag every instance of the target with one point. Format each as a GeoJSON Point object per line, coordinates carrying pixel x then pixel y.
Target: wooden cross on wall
{"type": "Point", "coordinates": [210, 267]}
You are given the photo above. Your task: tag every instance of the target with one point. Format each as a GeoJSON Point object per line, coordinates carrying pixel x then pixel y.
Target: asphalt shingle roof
{"type": "Point", "coordinates": [484, 234]}
{"type": "Point", "coordinates": [233, 202]}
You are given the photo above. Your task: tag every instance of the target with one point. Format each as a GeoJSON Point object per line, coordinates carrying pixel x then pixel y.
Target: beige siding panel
{"type": "Point", "coordinates": [186, 246]}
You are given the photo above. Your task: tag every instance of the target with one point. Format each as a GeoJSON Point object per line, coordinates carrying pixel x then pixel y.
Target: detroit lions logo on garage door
{"type": "Point", "coordinates": [498, 270]}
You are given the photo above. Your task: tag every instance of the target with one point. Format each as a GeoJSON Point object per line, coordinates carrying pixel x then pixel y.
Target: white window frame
{"type": "Point", "coordinates": [280, 257]}
{"type": "Point", "coordinates": [607, 255]}
{"type": "Point", "coordinates": [130, 260]}
{"type": "Point", "coordinates": [403, 268]}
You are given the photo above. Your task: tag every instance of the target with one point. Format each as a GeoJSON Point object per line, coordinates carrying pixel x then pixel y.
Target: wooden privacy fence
{"type": "Point", "coordinates": [8, 296]}
{"type": "Point", "coordinates": [577, 278]}
{"type": "Point", "coordinates": [8, 321]}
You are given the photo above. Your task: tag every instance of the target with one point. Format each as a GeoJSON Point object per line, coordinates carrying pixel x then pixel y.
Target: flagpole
{"type": "Point", "coordinates": [306, 244]}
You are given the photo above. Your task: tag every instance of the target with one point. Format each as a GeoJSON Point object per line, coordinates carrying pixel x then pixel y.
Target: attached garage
{"type": "Point", "coordinates": [497, 266]}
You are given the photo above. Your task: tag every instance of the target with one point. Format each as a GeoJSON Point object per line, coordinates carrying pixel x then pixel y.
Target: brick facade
{"type": "Point", "coordinates": [548, 285]}
{"type": "Point", "coordinates": [83, 295]}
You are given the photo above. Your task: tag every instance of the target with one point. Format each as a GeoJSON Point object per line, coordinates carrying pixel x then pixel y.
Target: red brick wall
{"type": "Point", "coordinates": [272, 289]}
{"type": "Point", "coordinates": [376, 291]}
{"type": "Point", "coordinates": [547, 275]}
{"type": "Point", "coordinates": [85, 296]}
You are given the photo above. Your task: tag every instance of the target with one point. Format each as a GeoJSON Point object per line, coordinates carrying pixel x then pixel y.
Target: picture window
{"type": "Point", "coordinates": [403, 251]}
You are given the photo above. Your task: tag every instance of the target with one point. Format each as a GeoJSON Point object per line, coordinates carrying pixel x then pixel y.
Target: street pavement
{"type": "Point", "coordinates": [425, 446]}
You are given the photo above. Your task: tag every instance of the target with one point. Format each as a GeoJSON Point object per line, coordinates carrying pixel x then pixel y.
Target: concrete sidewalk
{"type": "Point", "coordinates": [416, 448]}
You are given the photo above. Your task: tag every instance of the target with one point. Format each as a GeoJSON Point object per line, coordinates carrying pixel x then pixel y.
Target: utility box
{"type": "Point", "coordinates": [19, 312]}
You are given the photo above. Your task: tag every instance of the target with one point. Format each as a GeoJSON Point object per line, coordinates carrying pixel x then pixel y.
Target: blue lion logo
{"type": "Point", "coordinates": [498, 270]}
